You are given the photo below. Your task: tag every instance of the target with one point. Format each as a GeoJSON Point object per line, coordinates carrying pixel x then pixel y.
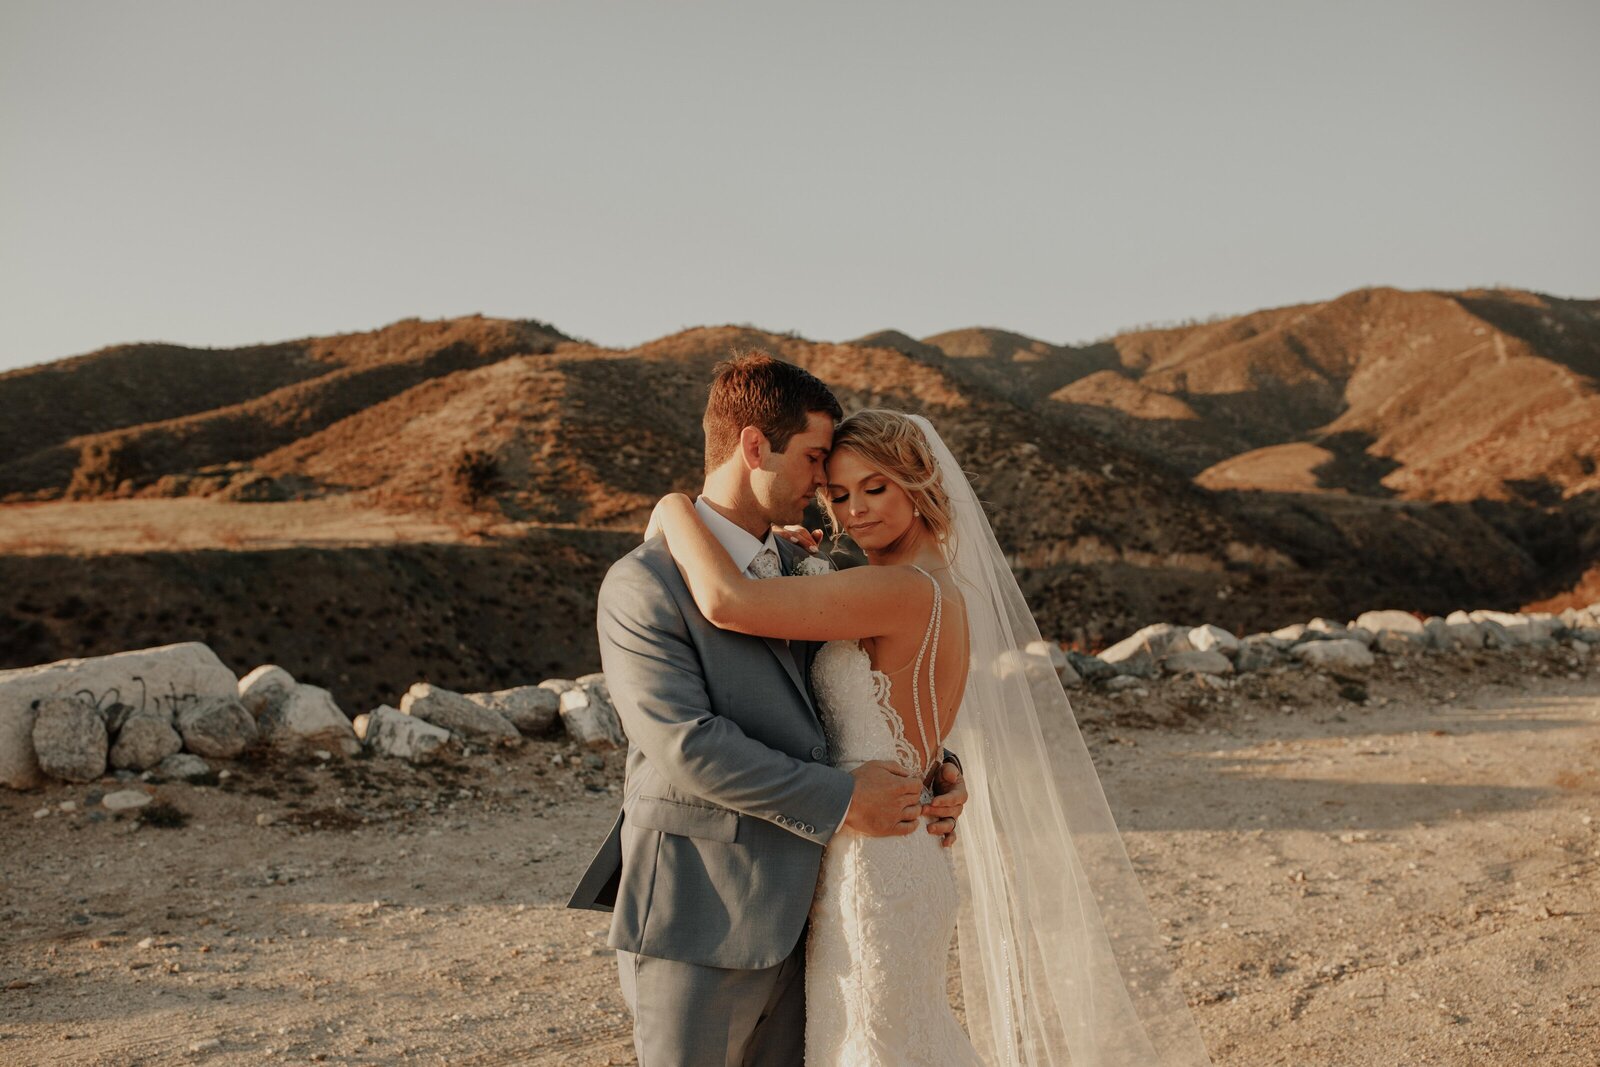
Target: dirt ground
{"type": "Point", "coordinates": [91, 527]}
{"type": "Point", "coordinates": [101, 527]}
{"type": "Point", "coordinates": [1405, 877]}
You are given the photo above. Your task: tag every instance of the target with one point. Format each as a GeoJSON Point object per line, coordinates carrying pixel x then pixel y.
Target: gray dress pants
{"type": "Point", "coordinates": [690, 1015]}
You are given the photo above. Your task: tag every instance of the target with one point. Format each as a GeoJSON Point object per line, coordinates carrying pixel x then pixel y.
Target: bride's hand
{"type": "Point", "coordinates": [810, 540]}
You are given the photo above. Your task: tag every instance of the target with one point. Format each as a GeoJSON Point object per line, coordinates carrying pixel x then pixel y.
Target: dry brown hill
{"type": "Point", "coordinates": [141, 413]}
{"type": "Point", "coordinates": [1470, 398]}
{"type": "Point", "coordinates": [1427, 450]}
{"type": "Point", "coordinates": [1427, 395]}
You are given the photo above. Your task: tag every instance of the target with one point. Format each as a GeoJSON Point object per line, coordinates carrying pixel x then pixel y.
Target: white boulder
{"type": "Point", "coordinates": [1207, 662]}
{"type": "Point", "coordinates": [69, 739]}
{"type": "Point", "coordinates": [455, 713]}
{"type": "Point", "coordinates": [1091, 668]}
{"type": "Point", "coordinates": [144, 741]}
{"type": "Point", "coordinates": [19, 766]}
{"type": "Point", "coordinates": [218, 727]}
{"type": "Point", "coordinates": [1395, 643]}
{"type": "Point", "coordinates": [1343, 652]}
{"type": "Point", "coordinates": [1258, 652]}
{"type": "Point", "coordinates": [1436, 634]}
{"type": "Point", "coordinates": [144, 680]}
{"type": "Point", "coordinates": [183, 766]}
{"type": "Point", "coordinates": [533, 709]}
{"type": "Point", "coordinates": [1139, 652]}
{"type": "Point", "coordinates": [1209, 638]}
{"type": "Point", "coordinates": [1545, 625]}
{"type": "Point", "coordinates": [1402, 622]}
{"type": "Point", "coordinates": [125, 800]}
{"type": "Point", "coordinates": [391, 732]}
{"type": "Point", "coordinates": [309, 718]}
{"type": "Point", "coordinates": [1034, 671]}
{"type": "Point", "coordinates": [1517, 627]}
{"type": "Point", "coordinates": [593, 681]}
{"type": "Point", "coordinates": [1496, 635]}
{"type": "Point", "coordinates": [1463, 631]}
{"type": "Point", "coordinates": [265, 688]}
{"type": "Point", "coordinates": [1056, 657]}
{"type": "Point", "coordinates": [590, 718]}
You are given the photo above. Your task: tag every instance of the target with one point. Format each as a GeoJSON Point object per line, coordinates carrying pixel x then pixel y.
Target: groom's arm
{"type": "Point", "coordinates": [656, 682]}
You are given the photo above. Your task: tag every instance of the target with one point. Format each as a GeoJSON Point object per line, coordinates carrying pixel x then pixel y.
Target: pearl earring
{"type": "Point", "coordinates": [917, 512]}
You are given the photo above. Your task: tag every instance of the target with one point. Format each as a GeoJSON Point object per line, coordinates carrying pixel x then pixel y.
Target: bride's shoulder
{"type": "Point", "coordinates": [905, 580]}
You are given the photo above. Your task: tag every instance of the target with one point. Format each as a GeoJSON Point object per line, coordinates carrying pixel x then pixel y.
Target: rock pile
{"type": "Point", "coordinates": [130, 711]}
{"type": "Point", "coordinates": [167, 710]}
{"type": "Point", "coordinates": [1167, 648]}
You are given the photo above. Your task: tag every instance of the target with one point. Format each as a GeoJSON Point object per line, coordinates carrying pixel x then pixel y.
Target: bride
{"type": "Point", "coordinates": [1059, 962]}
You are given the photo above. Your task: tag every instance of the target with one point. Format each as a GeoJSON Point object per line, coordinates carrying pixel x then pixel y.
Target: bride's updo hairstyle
{"type": "Point", "coordinates": [890, 443]}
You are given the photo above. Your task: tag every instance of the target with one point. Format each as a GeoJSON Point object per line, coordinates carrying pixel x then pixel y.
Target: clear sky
{"type": "Point", "coordinates": [223, 173]}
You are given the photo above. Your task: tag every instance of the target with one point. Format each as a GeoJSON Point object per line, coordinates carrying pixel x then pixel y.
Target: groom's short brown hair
{"type": "Point", "coordinates": [752, 388]}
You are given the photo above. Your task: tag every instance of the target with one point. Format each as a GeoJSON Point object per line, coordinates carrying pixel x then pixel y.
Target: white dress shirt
{"type": "Point", "coordinates": [738, 542]}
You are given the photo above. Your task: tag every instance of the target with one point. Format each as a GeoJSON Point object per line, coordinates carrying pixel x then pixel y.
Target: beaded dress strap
{"type": "Point", "coordinates": [935, 621]}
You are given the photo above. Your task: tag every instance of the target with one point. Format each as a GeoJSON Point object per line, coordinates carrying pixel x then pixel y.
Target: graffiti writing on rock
{"type": "Point", "coordinates": [171, 702]}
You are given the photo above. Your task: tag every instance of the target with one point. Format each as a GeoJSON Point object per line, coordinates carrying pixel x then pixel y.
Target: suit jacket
{"type": "Point", "coordinates": [729, 797]}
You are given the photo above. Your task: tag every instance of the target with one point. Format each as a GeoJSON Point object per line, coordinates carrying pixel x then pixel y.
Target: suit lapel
{"type": "Point", "coordinates": [782, 652]}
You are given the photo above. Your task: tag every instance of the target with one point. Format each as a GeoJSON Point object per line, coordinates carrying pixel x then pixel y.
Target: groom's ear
{"type": "Point", "coordinates": [753, 448]}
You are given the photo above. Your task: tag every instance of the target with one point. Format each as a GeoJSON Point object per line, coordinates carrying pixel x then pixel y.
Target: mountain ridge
{"type": "Point", "coordinates": [1381, 440]}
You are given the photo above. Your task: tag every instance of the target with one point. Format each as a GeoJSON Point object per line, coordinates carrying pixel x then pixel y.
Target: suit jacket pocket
{"type": "Point", "coordinates": [687, 820]}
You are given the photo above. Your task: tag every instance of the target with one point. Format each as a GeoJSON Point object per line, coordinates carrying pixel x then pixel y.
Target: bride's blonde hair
{"type": "Point", "coordinates": [890, 443]}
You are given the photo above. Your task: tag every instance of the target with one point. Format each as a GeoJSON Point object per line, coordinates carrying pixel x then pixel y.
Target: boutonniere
{"type": "Point", "coordinates": [813, 565]}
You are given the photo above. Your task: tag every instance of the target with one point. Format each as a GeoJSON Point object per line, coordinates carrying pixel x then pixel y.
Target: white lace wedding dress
{"type": "Point", "coordinates": [885, 910]}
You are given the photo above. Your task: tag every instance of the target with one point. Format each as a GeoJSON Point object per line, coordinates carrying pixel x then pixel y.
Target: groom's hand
{"type": "Point", "coordinates": [950, 796]}
{"type": "Point", "coordinates": [886, 801]}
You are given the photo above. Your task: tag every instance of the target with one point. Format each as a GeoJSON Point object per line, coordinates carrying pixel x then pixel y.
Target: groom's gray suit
{"type": "Point", "coordinates": [729, 799]}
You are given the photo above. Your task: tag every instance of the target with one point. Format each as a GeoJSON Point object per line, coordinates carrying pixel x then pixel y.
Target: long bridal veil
{"type": "Point", "coordinates": [1060, 961]}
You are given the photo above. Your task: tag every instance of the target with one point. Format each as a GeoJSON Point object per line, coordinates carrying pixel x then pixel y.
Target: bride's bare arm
{"type": "Point", "coordinates": [862, 602]}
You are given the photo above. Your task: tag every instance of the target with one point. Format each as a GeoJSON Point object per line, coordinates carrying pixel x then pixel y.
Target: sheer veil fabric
{"type": "Point", "coordinates": [1060, 960]}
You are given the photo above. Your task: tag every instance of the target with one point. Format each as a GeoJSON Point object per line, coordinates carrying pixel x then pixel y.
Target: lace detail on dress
{"type": "Point", "coordinates": [857, 746]}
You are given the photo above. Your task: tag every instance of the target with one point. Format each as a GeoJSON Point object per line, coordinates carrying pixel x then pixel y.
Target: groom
{"type": "Point", "coordinates": [710, 869]}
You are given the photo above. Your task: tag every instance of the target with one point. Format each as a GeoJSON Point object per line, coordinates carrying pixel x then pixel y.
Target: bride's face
{"type": "Point", "coordinates": [873, 510]}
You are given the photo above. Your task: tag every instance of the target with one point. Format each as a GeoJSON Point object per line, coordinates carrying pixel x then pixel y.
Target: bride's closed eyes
{"type": "Point", "coordinates": [841, 498]}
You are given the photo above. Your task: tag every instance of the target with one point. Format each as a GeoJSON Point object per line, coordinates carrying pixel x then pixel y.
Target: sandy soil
{"type": "Point", "coordinates": [1403, 880]}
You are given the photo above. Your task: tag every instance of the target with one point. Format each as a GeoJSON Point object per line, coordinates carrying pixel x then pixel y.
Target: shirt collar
{"type": "Point", "coordinates": [740, 545]}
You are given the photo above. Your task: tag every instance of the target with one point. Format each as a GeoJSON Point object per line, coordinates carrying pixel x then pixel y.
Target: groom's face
{"type": "Point", "coordinates": [787, 481]}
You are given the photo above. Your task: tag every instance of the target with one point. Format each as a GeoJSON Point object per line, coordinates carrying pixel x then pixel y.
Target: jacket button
{"type": "Point", "coordinates": [818, 752]}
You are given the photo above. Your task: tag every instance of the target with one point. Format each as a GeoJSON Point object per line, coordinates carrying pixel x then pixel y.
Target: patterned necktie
{"type": "Point", "coordinates": [766, 564]}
